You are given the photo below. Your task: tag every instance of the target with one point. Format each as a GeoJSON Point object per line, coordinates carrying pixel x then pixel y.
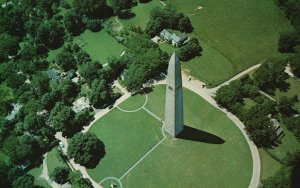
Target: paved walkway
{"type": "Point", "coordinates": [196, 87]}
{"type": "Point", "coordinates": [211, 91]}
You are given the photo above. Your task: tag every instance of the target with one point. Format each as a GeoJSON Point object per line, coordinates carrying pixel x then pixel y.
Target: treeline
{"type": "Point", "coordinates": [167, 18]}
{"type": "Point", "coordinates": [288, 175]}
{"type": "Point", "coordinates": [289, 41]}
{"type": "Point", "coordinates": [268, 77]}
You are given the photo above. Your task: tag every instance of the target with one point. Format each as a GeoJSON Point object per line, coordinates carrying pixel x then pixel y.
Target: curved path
{"type": "Point", "coordinates": [130, 111]}
{"type": "Point", "coordinates": [211, 91]}
{"type": "Point", "coordinates": [196, 86]}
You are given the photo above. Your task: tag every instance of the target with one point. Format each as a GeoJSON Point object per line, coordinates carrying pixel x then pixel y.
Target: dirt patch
{"type": "Point", "coordinates": [199, 7]}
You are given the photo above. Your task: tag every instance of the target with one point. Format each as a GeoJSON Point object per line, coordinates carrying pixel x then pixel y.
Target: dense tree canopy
{"type": "Point", "coordinates": [24, 181]}
{"type": "Point", "coordinates": [60, 174]}
{"type": "Point", "coordinates": [73, 22]}
{"type": "Point", "coordinates": [51, 34]}
{"type": "Point", "coordinates": [167, 18]}
{"type": "Point", "coordinates": [86, 149]}
{"type": "Point", "coordinates": [77, 181]}
{"type": "Point", "coordinates": [9, 46]}
{"type": "Point", "coordinates": [146, 61]}
{"type": "Point", "coordinates": [190, 50]}
{"type": "Point", "coordinates": [271, 75]}
{"type": "Point", "coordinates": [92, 8]}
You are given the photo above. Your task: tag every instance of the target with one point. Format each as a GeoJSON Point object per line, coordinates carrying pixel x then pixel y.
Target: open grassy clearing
{"type": "Point", "coordinates": [134, 102]}
{"type": "Point", "coordinates": [54, 160]}
{"type": "Point", "coordinates": [100, 45]}
{"type": "Point", "coordinates": [36, 173]}
{"type": "Point", "coordinates": [191, 163]}
{"type": "Point", "coordinates": [127, 137]}
{"type": "Point", "coordinates": [202, 66]}
{"type": "Point", "coordinates": [142, 14]}
{"type": "Point", "coordinates": [243, 33]}
{"type": "Point", "coordinates": [269, 166]}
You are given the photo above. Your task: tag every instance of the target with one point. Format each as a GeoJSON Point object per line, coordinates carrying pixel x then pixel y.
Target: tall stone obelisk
{"type": "Point", "coordinates": [174, 102]}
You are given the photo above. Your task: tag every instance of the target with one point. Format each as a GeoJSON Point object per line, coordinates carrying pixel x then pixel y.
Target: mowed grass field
{"type": "Point", "coordinates": [127, 137]}
{"type": "Point", "coordinates": [212, 153]}
{"type": "Point", "coordinates": [186, 162]}
{"type": "Point", "coordinates": [142, 14]}
{"type": "Point", "coordinates": [242, 33]}
{"type": "Point", "coordinates": [100, 45]}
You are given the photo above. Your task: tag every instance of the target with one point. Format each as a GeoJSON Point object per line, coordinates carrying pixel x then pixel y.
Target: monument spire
{"type": "Point", "coordinates": [174, 102]}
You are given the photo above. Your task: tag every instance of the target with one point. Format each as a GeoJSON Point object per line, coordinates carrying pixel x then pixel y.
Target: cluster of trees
{"type": "Point", "coordinates": [167, 18]}
{"type": "Point", "coordinates": [270, 75]}
{"type": "Point", "coordinates": [290, 39]}
{"type": "Point", "coordinates": [145, 62]}
{"type": "Point", "coordinates": [258, 125]}
{"type": "Point", "coordinates": [232, 96]}
{"type": "Point", "coordinates": [86, 149]}
{"type": "Point", "coordinates": [62, 175]}
{"type": "Point", "coordinates": [288, 175]}
{"type": "Point", "coordinates": [190, 50]}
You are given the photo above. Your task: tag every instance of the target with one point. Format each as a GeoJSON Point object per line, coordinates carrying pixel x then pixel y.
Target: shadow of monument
{"type": "Point", "coordinates": [192, 134]}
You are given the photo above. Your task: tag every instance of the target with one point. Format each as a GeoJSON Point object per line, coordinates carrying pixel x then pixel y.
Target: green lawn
{"type": "Point", "coordinates": [134, 102]}
{"type": "Point", "coordinates": [36, 173]}
{"type": "Point", "coordinates": [187, 163]}
{"type": "Point", "coordinates": [293, 90]}
{"type": "Point", "coordinates": [269, 166]}
{"type": "Point", "coordinates": [127, 138]}
{"type": "Point", "coordinates": [219, 147]}
{"type": "Point", "coordinates": [101, 45]}
{"type": "Point", "coordinates": [240, 33]}
{"type": "Point", "coordinates": [142, 14]}
{"type": "Point", "coordinates": [54, 160]}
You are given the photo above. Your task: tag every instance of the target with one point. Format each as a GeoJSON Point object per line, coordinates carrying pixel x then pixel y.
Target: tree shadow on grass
{"type": "Point", "coordinates": [192, 134]}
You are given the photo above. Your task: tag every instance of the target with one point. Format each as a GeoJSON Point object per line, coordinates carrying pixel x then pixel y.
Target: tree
{"type": "Point", "coordinates": [40, 82]}
{"type": "Point", "coordinates": [101, 94]}
{"type": "Point", "coordinates": [61, 117]}
{"type": "Point", "coordinates": [92, 8]}
{"type": "Point", "coordinates": [6, 98]}
{"type": "Point", "coordinates": [86, 149]}
{"type": "Point", "coordinates": [9, 46]}
{"type": "Point", "coordinates": [292, 124]}
{"type": "Point", "coordinates": [51, 34]}
{"type": "Point", "coordinates": [15, 80]}
{"type": "Point", "coordinates": [77, 181]}
{"type": "Point", "coordinates": [94, 25]}
{"type": "Point", "coordinates": [287, 41]}
{"type": "Point", "coordinates": [271, 75]}
{"type": "Point", "coordinates": [229, 94]}
{"type": "Point", "coordinates": [66, 60]}
{"type": "Point", "coordinates": [24, 181]}
{"type": "Point", "coordinates": [83, 117]}
{"type": "Point", "coordinates": [190, 50]}
{"type": "Point", "coordinates": [285, 105]}
{"type": "Point", "coordinates": [90, 71]}
{"type": "Point", "coordinates": [185, 25]}
{"type": "Point", "coordinates": [73, 22]}
{"type": "Point", "coordinates": [258, 126]}
{"type": "Point", "coordinates": [147, 63]}
{"type": "Point", "coordinates": [60, 174]}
